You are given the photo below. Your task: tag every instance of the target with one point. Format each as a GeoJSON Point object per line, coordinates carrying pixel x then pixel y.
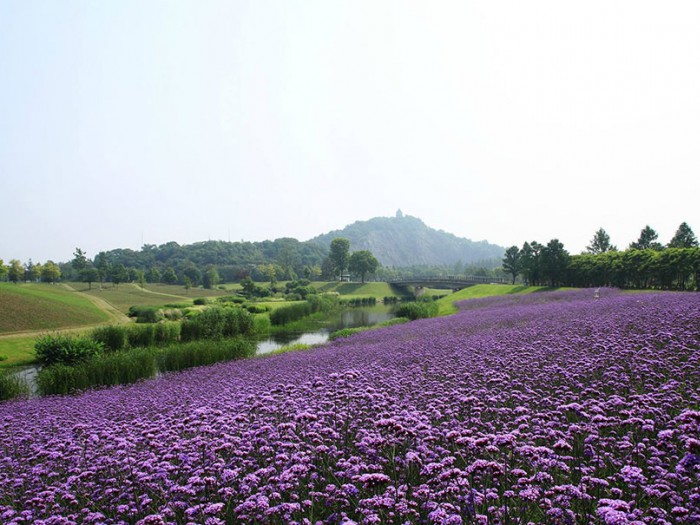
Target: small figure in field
{"type": "Point", "coordinates": [596, 294]}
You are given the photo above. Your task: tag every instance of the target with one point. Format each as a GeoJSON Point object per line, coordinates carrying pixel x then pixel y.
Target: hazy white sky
{"type": "Point", "coordinates": [192, 120]}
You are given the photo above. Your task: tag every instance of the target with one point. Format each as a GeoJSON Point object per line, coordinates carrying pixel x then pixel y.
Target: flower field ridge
{"type": "Point", "coordinates": [549, 408]}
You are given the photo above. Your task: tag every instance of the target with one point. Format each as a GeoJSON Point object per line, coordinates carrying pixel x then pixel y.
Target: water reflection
{"type": "Point", "coordinates": [351, 318]}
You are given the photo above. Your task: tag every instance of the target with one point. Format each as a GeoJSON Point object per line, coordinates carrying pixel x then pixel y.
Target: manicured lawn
{"type": "Point", "coordinates": [17, 350]}
{"type": "Point", "coordinates": [447, 304]}
{"type": "Point", "coordinates": [350, 290]}
{"type": "Point", "coordinates": [126, 295]}
{"type": "Point", "coordinates": [45, 307]}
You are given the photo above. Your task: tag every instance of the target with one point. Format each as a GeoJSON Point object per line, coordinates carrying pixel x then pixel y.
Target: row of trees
{"type": "Point", "coordinates": [105, 267]}
{"type": "Point", "coordinates": [361, 262]}
{"type": "Point", "coordinates": [15, 271]}
{"type": "Point", "coordinates": [645, 264]}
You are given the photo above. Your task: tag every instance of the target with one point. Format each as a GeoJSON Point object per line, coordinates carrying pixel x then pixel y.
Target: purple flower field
{"type": "Point", "coordinates": [548, 408]}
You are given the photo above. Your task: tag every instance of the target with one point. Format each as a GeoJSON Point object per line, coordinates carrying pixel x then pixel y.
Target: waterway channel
{"type": "Point", "coordinates": [349, 318]}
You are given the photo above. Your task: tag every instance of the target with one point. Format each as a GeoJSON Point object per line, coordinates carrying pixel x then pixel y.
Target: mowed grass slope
{"type": "Point", "coordinates": [126, 295]}
{"type": "Point", "coordinates": [36, 306]}
{"type": "Point", "coordinates": [447, 306]}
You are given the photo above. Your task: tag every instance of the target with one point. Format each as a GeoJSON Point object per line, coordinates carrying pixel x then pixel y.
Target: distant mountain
{"type": "Point", "coordinates": [406, 241]}
{"type": "Point", "coordinates": [401, 241]}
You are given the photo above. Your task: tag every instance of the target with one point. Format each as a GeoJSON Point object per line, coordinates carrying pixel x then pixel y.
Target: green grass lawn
{"type": "Point", "coordinates": [377, 290]}
{"type": "Point", "coordinates": [447, 304]}
{"type": "Point", "coordinates": [37, 306]}
{"type": "Point", "coordinates": [17, 351]}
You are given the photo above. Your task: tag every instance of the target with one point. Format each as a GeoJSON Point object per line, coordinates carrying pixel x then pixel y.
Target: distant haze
{"type": "Point", "coordinates": [129, 122]}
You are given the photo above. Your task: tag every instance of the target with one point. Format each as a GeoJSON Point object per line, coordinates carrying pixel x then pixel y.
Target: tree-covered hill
{"type": "Point", "coordinates": [401, 244]}
{"type": "Point", "coordinates": [407, 241]}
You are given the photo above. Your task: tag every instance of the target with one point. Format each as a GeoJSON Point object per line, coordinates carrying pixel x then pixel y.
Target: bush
{"type": "Point", "coordinates": [113, 338]}
{"type": "Point", "coordinates": [142, 336]}
{"type": "Point", "coordinates": [217, 322]}
{"type": "Point", "coordinates": [146, 314]}
{"type": "Point", "coordinates": [417, 310]}
{"type": "Point", "coordinates": [287, 314]}
{"type": "Point", "coordinates": [200, 301]}
{"type": "Point", "coordinates": [187, 355]}
{"type": "Point", "coordinates": [294, 312]}
{"type": "Point", "coordinates": [300, 288]}
{"type": "Point", "coordinates": [172, 314]}
{"type": "Point", "coordinates": [63, 349]}
{"type": "Point", "coordinates": [12, 386]}
{"type": "Point", "coordinates": [231, 299]}
{"type": "Point", "coordinates": [3, 357]}
{"type": "Point", "coordinates": [362, 301]}
{"type": "Point", "coordinates": [113, 369]}
{"type": "Point", "coordinates": [257, 308]}
{"type": "Point", "coordinates": [166, 333]}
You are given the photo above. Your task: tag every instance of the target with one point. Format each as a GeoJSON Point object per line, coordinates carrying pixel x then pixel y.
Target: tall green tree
{"type": "Point", "coordinates": [119, 274]}
{"type": "Point", "coordinates": [153, 275]}
{"type": "Point", "coordinates": [90, 275]}
{"type": "Point", "coordinates": [33, 272]}
{"type": "Point", "coordinates": [102, 264]}
{"type": "Point", "coordinates": [362, 262]}
{"type": "Point", "coordinates": [210, 278]}
{"type": "Point", "coordinates": [555, 260]}
{"type": "Point", "coordinates": [647, 240]}
{"type": "Point", "coordinates": [600, 243]}
{"type": "Point", "coordinates": [3, 270]}
{"type": "Point", "coordinates": [683, 238]}
{"type": "Point", "coordinates": [512, 263]}
{"type": "Point", "coordinates": [169, 276]}
{"type": "Point", "coordinates": [288, 258]}
{"type": "Point", "coordinates": [79, 261]}
{"type": "Point", "coordinates": [531, 262]}
{"type": "Point", "coordinates": [340, 255]}
{"type": "Point", "coordinates": [15, 272]}
{"type": "Point", "coordinates": [50, 272]}
{"type": "Point", "coordinates": [193, 273]}
{"type": "Point", "coordinates": [270, 272]}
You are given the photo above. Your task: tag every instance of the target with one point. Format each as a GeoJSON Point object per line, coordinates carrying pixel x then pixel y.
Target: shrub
{"type": "Point", "coordinates": [113, 338]}
{"type": "Point", "coordinates": [166, 333]}
{"type": "Point", "coordinates": [172, 314]}
{"type": "Point", "coordinates": [198, 353]}
{"type": "Point", "coordinates": [217, 322]}
{"type": "Point", "coordinates": [3, 357]}
{"type": "Point", "coordinates": [200, 301]}
{"type": "Point", "coordinates": [231, 299]}
{"type": "Point", "coordinates": [63, 349]}
{"type": "Point", "coordinates": [362, 301]}
{"type": "Point", "coordinates": [290, 313]}
{"type": "Point", "coordinates": [257, 308]}
{"type": "Point", "coordinates": [294, 312]}
{"type": "Point", "coordinates": [146, 314]}
{"type": "Point", "coordinates": [12, 386]}
{"type": "Point", "coordinates": [112, 369]}
{"type": "Point", "coordinates": [142, 336]}
{"type": "Point", "coordinates": [417, 310]}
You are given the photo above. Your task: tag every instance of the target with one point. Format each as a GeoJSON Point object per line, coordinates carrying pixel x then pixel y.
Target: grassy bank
{"type": "Point", "coordinates": [35, 306]}
{"type": "Point", "coordinates": [446, 305]}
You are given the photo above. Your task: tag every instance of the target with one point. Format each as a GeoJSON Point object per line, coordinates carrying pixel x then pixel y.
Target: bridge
{"type": "Point", "coordinates": [450, 281]}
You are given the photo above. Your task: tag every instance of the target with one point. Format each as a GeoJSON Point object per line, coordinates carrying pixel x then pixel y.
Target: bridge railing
{"type": "Point", "coordinates": [457, 279]}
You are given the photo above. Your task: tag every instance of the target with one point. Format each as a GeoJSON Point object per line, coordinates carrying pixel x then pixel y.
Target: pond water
{"type": "Point", "coordinates": [350, 318]}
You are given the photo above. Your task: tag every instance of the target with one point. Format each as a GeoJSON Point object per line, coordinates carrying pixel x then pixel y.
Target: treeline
{"type": "Point", "coordinates": [645, 264]}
